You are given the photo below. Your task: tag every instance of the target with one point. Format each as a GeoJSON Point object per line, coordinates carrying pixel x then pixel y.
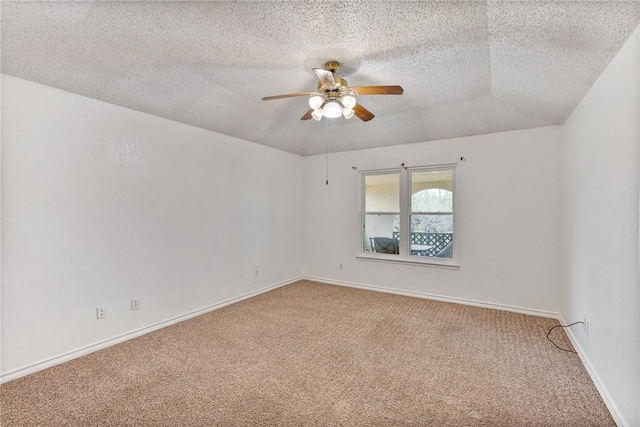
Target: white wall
{"type": "Point", "coordinates": [101, 204]}
{"type": "Point", "coordinates": [600, 229]}
{"type": "Point", "coordinates": [508, 202]}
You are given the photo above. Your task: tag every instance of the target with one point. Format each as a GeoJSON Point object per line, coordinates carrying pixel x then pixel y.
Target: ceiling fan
{"type": "Point", "coordinates": [335, 98]}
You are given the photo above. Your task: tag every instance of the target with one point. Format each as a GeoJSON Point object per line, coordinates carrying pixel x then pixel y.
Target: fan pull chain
{"type": "Point", "coordinates": [327, 154]}
{"type": "Point", "coordinates": [326, 172]}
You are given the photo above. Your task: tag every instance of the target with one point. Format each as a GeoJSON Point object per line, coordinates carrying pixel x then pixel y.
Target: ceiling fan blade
{"type": "Point", "coordinates": [307, 115]}
{"type": "Point", "coordinates": [362, 113]}
{"type": "Point", "coordinates": [325, 77]}
{"type": "Point", "coordinates": [287, 95]}
{"type": "Point", "coordinates": [378, 90]}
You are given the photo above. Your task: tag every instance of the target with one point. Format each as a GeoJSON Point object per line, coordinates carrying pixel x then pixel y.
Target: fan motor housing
{"type": "Point", "coordinates": [340, 82]}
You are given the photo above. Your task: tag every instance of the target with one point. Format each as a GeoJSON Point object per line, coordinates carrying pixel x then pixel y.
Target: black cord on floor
{"type": "Point", "coordinates": [562, 326]}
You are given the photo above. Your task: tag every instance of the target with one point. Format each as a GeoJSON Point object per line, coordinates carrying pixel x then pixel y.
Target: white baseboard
{"type": "Point", "coordinates": [456, 300]}
{"type": "Point", "coordinates": [613, 409]}
{"type": "Point", "coordinates": [56, 360]}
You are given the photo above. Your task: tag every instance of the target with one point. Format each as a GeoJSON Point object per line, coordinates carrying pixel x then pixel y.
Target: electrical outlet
{"type": "Point", "coordinates": [340, 267]}
{"type": "Point", "coordinates": [135, 303]}
{"type": "Point", "coordinates": [585, 325]}
{"type": "Point", "coordinates": [101, 312]}
{"type": "Point", "coordinates": [257, 272]}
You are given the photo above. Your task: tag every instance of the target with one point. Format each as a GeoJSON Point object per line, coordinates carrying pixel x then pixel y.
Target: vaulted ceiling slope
{"type": "Point", "coordinates": [467, 67]}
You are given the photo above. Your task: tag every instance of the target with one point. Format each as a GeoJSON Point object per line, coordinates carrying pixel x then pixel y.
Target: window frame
{"type": "Point", "coordinates": [404, 191]}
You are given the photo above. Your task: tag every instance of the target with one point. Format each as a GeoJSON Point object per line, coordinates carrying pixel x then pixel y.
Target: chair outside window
{"type": "Point", "coordinates": [385, 245]}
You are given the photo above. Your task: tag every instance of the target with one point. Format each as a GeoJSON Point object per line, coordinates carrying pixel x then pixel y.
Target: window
{"type": "Point", "coordinates": [408, 215]}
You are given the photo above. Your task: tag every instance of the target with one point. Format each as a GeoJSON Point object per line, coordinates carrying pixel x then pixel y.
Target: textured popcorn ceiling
{"type": "Point", "coordinates": [467, 67]}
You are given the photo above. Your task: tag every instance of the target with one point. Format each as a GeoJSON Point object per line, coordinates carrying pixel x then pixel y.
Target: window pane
{"type": "Point", "coordinates": [432, 236]}
{"type": "Point", "coordinates": [381, 233]}
{"type": "Point", "coordinates": [432, 191]}
{"type": "Point", "coordinates": [382, 193]}
{"type": "Point", "coordinates": [427, 204]}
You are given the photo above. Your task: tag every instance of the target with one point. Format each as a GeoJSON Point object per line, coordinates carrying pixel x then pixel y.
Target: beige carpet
{"type": "Point", "coordinates": [311, 354]}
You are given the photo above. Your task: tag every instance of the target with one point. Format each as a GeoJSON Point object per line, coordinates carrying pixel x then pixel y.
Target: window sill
{"type": "Point", "coordinates": [449, 265]}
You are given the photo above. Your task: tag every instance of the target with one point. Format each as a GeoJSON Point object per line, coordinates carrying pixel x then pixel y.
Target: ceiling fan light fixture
{"type": "Point", "coordinates": [347, 113]}
{"type": "Point", "coordinates": [348, 101]}
{"type": "Point", "coordinates": [332, 109]}
{"type": "Point", "coordinates": [315, 101]}
{"type": "Point", "coordinates": [334, 98]}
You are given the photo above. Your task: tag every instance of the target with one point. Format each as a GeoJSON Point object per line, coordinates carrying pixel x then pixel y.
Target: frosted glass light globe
{"type": "Point", "coordinates": [347, 113]}
{"type": "Point", "coordinates": [315, 101]}
{"type": "Point", "coordinates": [317, 114]}
{"type": "Point", "coordinates": [348, 101]}
{"type": "Point", "coordinates": [332, 109]}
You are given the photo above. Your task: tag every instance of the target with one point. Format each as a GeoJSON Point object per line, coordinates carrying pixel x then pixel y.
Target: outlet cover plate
{"type": "Point", "coordinates": [101, 312]}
